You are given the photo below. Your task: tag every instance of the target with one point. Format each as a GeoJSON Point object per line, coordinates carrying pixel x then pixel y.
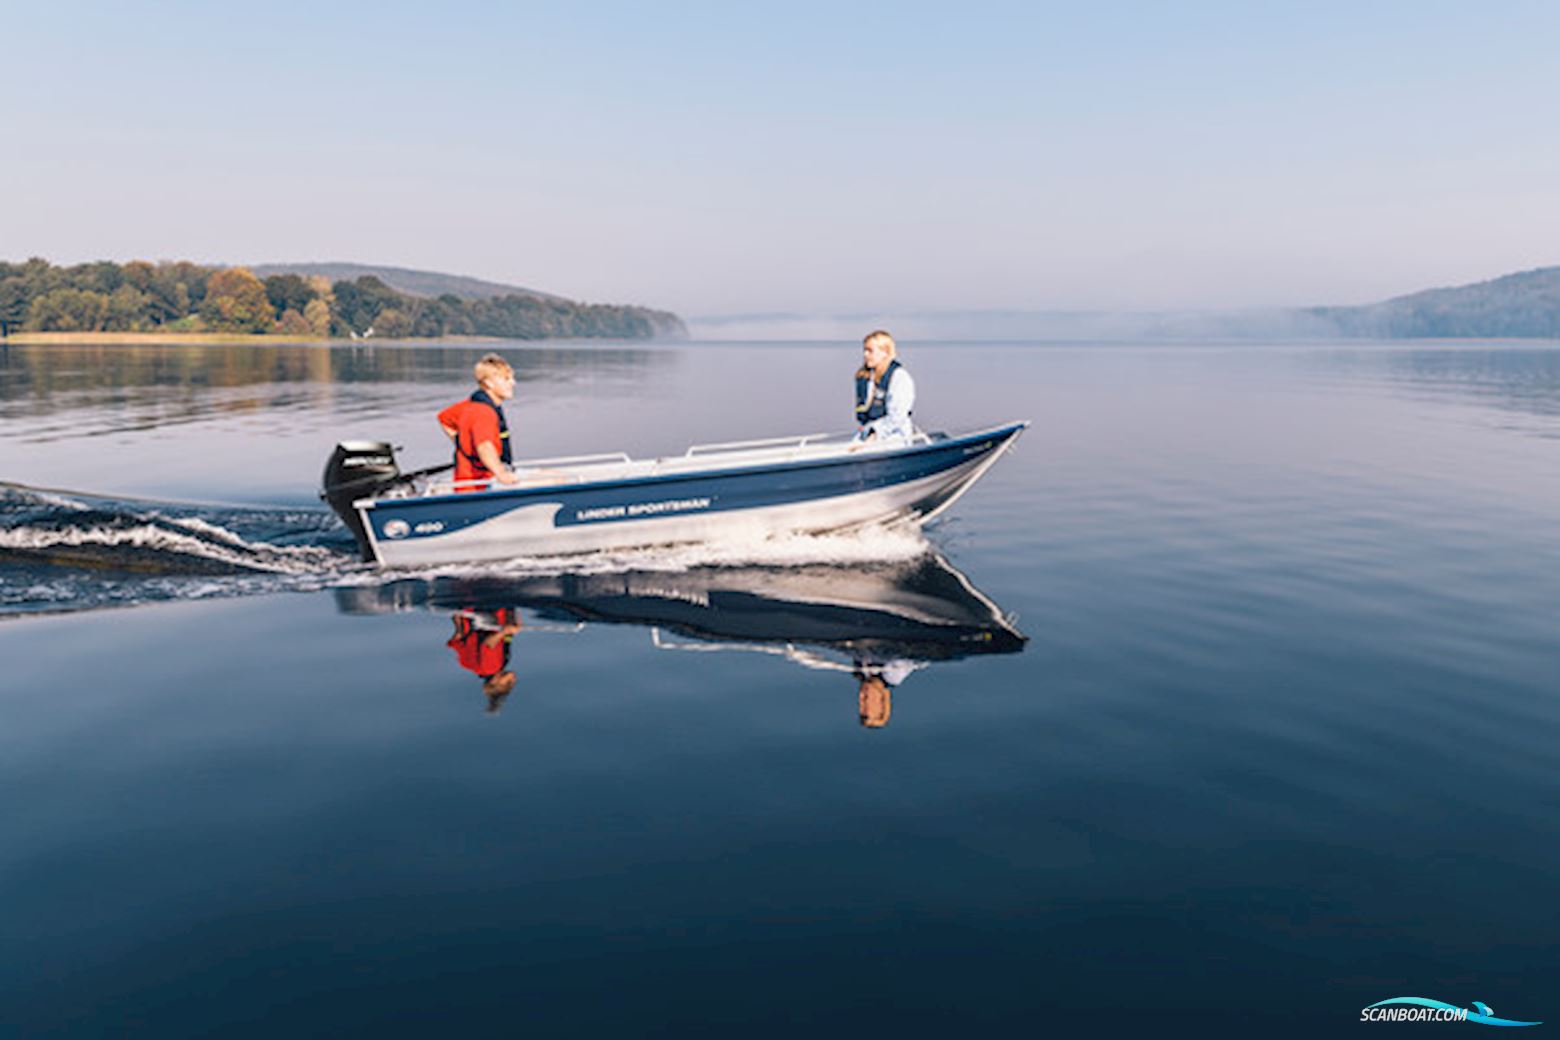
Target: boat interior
{"type": "Point", "coordinates": [589, 469]}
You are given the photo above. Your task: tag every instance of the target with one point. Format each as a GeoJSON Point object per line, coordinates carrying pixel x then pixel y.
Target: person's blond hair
{"type": "Point", "coordinates": [491, 365]}
{"type": "Point", "coordinates": [883, 337]}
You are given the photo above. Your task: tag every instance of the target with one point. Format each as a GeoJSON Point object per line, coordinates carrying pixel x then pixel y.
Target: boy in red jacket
{"type": "Point", "coordinates": [479, 429]}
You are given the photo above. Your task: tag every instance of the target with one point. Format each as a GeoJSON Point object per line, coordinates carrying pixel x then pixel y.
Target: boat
{"type": "Point", "coordinates": [818, 615]}
{"type": "Point", "coordinates": [592, 503]}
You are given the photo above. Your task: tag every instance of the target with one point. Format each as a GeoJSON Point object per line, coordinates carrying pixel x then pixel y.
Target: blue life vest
{"type": "Point", "coordinates": [481, 397]}
{"type": "Point", "coordinates": [869, 406]}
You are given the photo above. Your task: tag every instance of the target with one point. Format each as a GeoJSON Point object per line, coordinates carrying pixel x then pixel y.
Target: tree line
{"type": "Point", "coordinates": [179, 296]}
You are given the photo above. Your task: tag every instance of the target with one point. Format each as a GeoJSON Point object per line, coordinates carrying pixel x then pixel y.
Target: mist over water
{"type": "Point", "coordinates": [1230, 686]}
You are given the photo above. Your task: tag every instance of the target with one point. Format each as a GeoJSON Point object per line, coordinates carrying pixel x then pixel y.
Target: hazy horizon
{"type": "Point", "coordinates": [890, 159]}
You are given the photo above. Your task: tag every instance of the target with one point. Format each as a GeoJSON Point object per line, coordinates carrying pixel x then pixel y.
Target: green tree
{"type": "Point", "coordinates": [194, 278]}
{"type": "Point", "coordinates": [103, 276]}
{"type": "Point", "coordinates": [38, 278]}
{"type": "Point", "coordinates": [167, 301]}
{"type": "Point", "coordinates": [177, 290]}
{"type": "Point", "coordinates": [128, 309]}
{"type": "Point", "coordinates": [138, 274]}
{"type": "Point", "coordinates": [68, 310]}
{"type": "Point", "coordinates": [393, 323]}
{"type": "Point", "coordinates": [13, 303]}
{"type": "Point", "coordinates": [436, 317]}
{"type": "Point", "coordinates": [358, 303]}
{"type": "Point", "coordinates": [288, 291]}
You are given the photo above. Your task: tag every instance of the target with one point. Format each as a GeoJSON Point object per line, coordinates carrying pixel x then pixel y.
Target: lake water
{"type": "Point", "coordinates": [1258, 726]}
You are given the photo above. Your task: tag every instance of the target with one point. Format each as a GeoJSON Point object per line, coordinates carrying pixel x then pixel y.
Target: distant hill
{"type": "Point", "coordinates": [415, 283]}
{"type": "Point", "coordinates": [1525, 305]}
{"type": "Point", "coordinates": [1517, 306]}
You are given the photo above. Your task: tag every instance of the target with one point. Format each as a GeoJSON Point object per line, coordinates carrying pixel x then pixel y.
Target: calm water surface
{"type": "Point", "coordinates": [1280, 742]}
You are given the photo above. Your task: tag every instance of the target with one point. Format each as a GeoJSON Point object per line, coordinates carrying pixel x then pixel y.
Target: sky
{"type": "Point", "coordinates": [799, 158]}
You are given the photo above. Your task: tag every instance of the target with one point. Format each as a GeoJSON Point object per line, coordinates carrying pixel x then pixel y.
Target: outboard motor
{"type": "Point", "coordinates": [358, 469]}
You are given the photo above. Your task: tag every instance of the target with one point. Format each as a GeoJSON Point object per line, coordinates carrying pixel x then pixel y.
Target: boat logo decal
{"type": "Point", "coordinates": [674, 505]}
{"type": "Point", "coordinates": [397, 529]}
{"type": "Point", "coordinates": [430, 527]}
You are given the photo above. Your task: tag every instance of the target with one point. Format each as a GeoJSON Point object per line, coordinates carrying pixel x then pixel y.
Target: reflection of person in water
{"type": "Point", "coordinates": [875, 696]}
{"type": "Point", "coordinates": [481, 643]}
{"type": "Point", "coordinates": [875, 701]}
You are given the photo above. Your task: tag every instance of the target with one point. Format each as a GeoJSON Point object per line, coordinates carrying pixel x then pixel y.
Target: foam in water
{"type": "Point", "coordinates": [66, 552]}
{"type": "Point", "coordinates": [862, 546]}
{"type": "Point", "coordinates": [234, 551]}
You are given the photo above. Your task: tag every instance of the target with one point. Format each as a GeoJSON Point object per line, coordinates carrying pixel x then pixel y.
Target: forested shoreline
{"type": "Point", "coordinates": [183, 297]}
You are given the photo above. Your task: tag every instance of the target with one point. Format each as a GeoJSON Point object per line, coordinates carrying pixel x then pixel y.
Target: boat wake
{"type": "Point", "coordinates": [62, 551]}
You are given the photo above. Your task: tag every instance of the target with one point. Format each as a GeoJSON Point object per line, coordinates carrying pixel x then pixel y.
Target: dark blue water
{"type": "Point", "coordinates": [1227, 699]}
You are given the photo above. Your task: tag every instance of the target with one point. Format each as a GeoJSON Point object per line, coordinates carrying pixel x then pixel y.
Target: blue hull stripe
{"type": "Point", "coordinates": [640, 498]}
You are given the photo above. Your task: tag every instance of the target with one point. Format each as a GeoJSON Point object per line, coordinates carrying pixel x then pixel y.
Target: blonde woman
{"type": "Point", "coordinates": [885, 393]}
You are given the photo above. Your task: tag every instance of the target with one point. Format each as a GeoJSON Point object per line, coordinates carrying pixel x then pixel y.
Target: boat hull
{"type": "Point", "coordinates": [734, 502]}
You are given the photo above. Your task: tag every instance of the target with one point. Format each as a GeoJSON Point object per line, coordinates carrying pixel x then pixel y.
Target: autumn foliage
{"type": "Point", "coordinates": [179, 296]}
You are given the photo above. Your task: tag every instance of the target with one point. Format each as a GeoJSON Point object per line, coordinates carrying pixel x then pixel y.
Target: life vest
{"type": "Point", "coordinates": [470, 645]}
{"type": "Point", "coordinates": [479, 468]}
{"type": "Point", "coordinates": [873, 406]}
{"type": "Point", "coordinates": [465, 626]}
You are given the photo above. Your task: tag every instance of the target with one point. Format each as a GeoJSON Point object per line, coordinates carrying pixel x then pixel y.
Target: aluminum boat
{"type": "Point", "coordinates": [582, 504]}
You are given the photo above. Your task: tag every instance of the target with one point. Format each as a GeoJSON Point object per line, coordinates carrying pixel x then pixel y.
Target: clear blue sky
{"type": "Point", "coordinates": [814, 158]}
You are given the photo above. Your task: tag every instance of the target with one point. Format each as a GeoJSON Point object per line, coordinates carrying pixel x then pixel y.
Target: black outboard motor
{"type": "Point", "coordinates": [358, 469]}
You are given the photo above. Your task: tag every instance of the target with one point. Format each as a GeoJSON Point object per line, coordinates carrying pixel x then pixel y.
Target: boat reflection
{"type": "Point", "coordinates": [878, 623]}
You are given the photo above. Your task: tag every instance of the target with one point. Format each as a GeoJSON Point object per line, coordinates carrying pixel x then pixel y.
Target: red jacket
{"type": "Point", "coordinates": [473, 423]}
{"type": "Point", "coordinates": [471, 648]}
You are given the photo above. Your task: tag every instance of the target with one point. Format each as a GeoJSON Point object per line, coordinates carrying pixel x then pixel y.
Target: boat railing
{"type": "Point", "coordinates": [767, 442]}
{"type": "Point", "coordinates": [918, 437]}
{"type": "Point", "coordinates": [524, 468]}
{"type": "Point", "coordinates": [574, 460]}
